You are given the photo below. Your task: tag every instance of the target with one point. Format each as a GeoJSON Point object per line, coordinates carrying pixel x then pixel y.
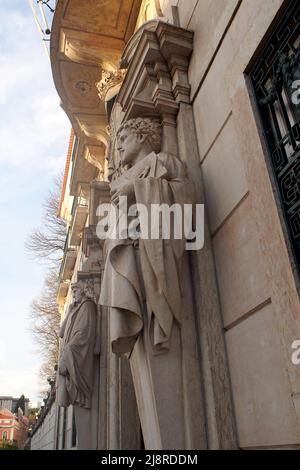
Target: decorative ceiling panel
{"type": "Point", "coordinates": [109, 17]}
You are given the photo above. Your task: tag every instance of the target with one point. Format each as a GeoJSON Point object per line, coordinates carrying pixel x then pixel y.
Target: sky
{"type": "Point", "coordinates": [34, 134]}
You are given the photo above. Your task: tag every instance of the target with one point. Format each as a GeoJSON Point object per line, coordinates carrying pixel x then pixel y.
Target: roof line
{"type": "Point", "coordinates": [66, 172]}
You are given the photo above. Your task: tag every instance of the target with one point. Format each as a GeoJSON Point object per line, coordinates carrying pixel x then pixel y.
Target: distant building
{"type": "Point", "coordinates": [13, 428]}
{"type": "Point", "coordinates": [9, 403]}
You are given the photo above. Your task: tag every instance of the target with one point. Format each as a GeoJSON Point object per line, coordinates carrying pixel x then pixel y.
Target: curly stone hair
{"type": "Point", "coordinates": [150, 127]}
{"type": "Point", "coordinates": [87, 287]}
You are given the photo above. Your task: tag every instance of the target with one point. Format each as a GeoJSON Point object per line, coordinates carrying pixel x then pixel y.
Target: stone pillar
{"type": "Point", "coordinates": [221, 430]}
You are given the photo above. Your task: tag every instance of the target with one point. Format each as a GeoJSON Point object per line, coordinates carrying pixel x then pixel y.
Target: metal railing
{"type": "Point", "coordinates": [78, 201]}
{"type": "Point", "coordinates": [67, 248]}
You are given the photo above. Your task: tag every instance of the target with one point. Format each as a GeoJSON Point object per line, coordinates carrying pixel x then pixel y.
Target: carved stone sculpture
{"type": "Point", "coordinates": [77, 370]}
{"type": "Point", "coordinates": [110, 80]}
{"type": "Point", "coordinates": [146, 285]}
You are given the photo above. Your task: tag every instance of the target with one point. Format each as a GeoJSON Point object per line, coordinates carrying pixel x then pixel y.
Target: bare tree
{"type": "Point", "coordinates": [46, 317]}
{"type": "Point", "coordinates": [45, 324]}
{"type": "Point", "coordinates": [46, 244]}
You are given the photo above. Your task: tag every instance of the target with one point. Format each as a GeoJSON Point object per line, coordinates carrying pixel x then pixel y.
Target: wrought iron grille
{"type": "Point", "coordinates": [275, 77]}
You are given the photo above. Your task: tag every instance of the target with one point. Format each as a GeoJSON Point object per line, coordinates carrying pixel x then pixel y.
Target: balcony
{"type": "Point", "coordinates": [68, 261]}
{"type": "Point", "coordinates": [83, 43]}
{"type": "Point", "coordinates": [62, 291]}
{"type": "Point", "coordinates": [79, 215]}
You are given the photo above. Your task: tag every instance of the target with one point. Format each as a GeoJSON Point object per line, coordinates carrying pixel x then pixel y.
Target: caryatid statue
{"type": "Point", "coordinates": [146, 285]}
{"type": "Point", "coordinates": [77, 367]}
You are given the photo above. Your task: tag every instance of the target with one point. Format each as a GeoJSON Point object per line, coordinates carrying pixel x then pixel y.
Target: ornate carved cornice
{"type": "Point", "coordinates": [156, 82]}
{"type": "Point", "coordinates": [109, 81]}
{"type": "Point", "coordinates": [157, 75]}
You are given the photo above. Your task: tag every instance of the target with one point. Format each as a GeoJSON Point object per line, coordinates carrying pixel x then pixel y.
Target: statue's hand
{"type": "Point", "coordinates": [126, 191]}
{"type": "Point", "coordinates": [62, 369]}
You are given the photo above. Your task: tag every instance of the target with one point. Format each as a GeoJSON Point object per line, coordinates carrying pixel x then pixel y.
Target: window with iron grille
{"type": "Point", "coordinates": [275, 77]}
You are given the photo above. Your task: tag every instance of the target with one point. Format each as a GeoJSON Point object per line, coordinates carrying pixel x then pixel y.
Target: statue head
{"type": "Point", "coordinates": [83, 288]}
{"type": "Point", "coordinates": [138, 137]}
{"type": "Point", "coordinates": [78, 289]}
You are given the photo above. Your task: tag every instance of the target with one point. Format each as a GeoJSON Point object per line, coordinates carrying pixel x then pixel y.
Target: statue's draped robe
{"type": "Point", "coordinates": [148, 277]}
{"type": "Point", "coordinates": [148, 289]}
{"type": "Point", "coordinates": [78, 331]}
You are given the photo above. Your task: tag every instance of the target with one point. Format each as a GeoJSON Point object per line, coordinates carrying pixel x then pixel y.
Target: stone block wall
{"type": "Point", "coordinates": [257, 289]}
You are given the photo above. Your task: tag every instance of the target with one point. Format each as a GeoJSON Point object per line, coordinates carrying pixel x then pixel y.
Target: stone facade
{"type": "Point", "coordinates": [195, 80]}
{"type": "Point", "coordinates": [44, 437]}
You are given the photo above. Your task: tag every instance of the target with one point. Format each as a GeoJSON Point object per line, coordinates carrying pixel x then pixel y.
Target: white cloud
{"type": "Point", "coordinates": [3, 93]}
{"type": "Point", "coordinates": [3, 354]}
{"type": "Point", "coordinates": [53, 163]}
{"type": "Point", "coordinates": [34, 123]}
